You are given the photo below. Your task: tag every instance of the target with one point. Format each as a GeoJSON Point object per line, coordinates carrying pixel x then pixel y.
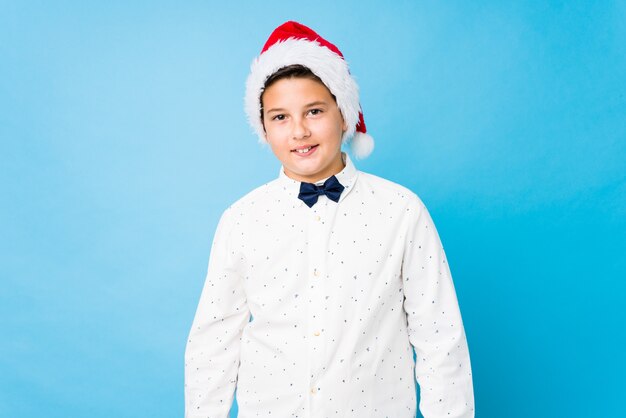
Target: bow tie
{"type": "Point", "coordinates": [309, 192]}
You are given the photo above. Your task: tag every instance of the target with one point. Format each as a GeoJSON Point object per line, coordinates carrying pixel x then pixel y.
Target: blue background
{"type": "Point", "coordinates": [123, 138]}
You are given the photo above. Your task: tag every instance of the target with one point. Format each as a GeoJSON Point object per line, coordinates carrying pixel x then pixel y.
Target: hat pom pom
{"type": "Point", "coordinates": [361, 145]}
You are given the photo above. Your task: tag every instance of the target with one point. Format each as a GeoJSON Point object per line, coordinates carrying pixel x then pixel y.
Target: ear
{"type": "Point", "coordinates": [264, 137]}
{"type": "Point", "coordinates": [264, 131]}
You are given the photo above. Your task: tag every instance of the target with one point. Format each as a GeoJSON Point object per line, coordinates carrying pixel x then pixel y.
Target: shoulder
{"type": "Point", "coordinates": [387, 190]}
{"type": "Point", "coordinates": [416, 216]}
{"type": "Point", "coordinates": [250, 202]}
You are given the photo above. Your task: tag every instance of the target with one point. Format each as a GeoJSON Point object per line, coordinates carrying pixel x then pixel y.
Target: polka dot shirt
{"type": "Point", "coordinates": [315, 312]}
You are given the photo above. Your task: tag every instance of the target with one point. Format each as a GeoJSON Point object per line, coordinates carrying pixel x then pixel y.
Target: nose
{"type": "Point", "coordinates": [300, 129]}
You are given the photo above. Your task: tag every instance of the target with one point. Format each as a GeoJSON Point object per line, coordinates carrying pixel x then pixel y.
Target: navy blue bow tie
{"type": "Point", "coordinates": [309, 192]}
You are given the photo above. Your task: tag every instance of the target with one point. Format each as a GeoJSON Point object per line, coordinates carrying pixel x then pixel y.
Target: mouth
{"type": "Point", "coordinates": [305, 150]}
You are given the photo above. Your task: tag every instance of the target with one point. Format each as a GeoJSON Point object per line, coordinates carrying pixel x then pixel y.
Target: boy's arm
{"type": "Point", "coordinates": [442, 366]}
{"type": "Point", "coordinates": [212, 352]}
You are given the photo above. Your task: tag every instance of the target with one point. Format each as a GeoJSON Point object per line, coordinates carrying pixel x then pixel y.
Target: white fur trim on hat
{"type": "Point", "coordinates": [361, 145]}
{"type": "Point", "coordinates": [331, 68]}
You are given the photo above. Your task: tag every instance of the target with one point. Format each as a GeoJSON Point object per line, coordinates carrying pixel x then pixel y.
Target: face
{"type": "Point", "coordinates": [303, 126]}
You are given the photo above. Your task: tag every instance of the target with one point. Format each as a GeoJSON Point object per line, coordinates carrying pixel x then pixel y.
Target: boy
{"type": "Point", "coordinates": [321, 282]}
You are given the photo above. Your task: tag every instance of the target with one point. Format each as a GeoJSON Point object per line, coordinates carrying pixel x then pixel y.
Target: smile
{"type": "Point", "coordinates": [304, 150]}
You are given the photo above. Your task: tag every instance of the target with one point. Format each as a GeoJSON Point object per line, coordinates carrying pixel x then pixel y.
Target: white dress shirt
{"type": "Point", "coordinates": [313, 312]}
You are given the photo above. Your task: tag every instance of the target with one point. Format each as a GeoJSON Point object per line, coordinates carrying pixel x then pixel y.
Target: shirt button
{"type": "Point", "coordinates": [314, 390]}
{"type": "Point", "coordinates": [317, 218]}
{"type": "Point", "coordinates": [316, 333]}
{"type": "Point", "coordinates": [316, 272]}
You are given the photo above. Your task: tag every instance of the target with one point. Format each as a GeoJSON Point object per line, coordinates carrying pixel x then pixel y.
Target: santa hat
{"type": "Point", "coordinates": [293, 43]}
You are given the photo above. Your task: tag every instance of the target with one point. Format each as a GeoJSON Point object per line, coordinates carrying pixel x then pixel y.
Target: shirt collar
{"type": "Point", "coordinates": [347, 177]}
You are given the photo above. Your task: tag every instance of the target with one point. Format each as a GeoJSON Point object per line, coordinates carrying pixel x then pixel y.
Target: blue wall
{"type": "Point", "coordinates": [123, 137]}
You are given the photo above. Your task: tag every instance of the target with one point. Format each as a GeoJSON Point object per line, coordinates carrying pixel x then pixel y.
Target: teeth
{"type": "Point", "coordinates": [305, 150]}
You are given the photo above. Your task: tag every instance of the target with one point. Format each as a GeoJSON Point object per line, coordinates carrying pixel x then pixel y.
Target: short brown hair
{"type": "Point", "coordinates": [291, 71]}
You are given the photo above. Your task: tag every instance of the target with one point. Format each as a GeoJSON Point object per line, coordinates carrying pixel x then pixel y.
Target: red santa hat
{"type": "Point", "coordinates": [293, 43]}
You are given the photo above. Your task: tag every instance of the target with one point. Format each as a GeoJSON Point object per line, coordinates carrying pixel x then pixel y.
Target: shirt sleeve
{"type": "Point", "coordinates": [442, 367]}
{"type": "Point", "coordinates": [213, 346]}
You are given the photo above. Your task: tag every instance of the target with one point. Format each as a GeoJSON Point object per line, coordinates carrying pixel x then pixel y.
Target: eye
{"type": "Point", "coordinates": [279, 117]}
{"type": "Point", "coordinates": [315, 112]}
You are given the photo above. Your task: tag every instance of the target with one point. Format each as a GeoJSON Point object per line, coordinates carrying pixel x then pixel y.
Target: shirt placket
{"type": "Point", "coordinates": [318, 221]}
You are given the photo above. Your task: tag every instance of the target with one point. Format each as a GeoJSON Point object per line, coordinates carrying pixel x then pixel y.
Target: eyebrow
{"type": "Point", "coordinates": [317, 103]}
{"type": "Point", "coordinates": [312, 104]}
